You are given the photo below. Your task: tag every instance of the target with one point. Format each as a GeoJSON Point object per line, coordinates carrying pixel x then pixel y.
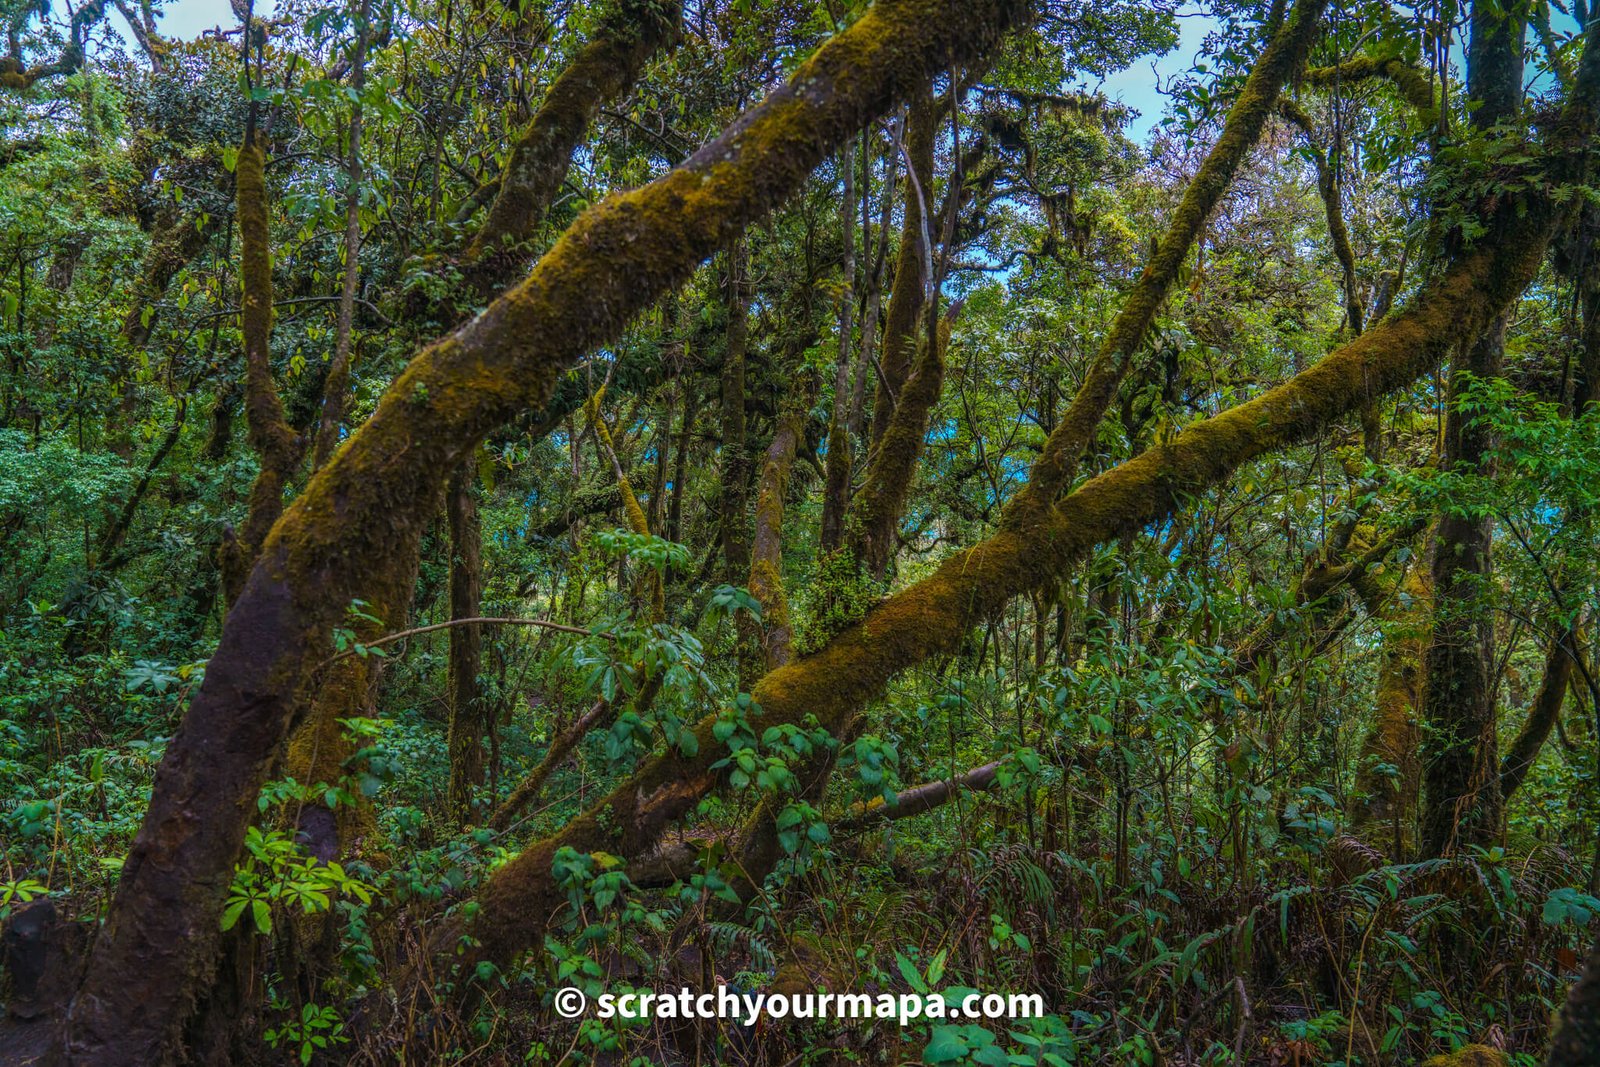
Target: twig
{"type": "Point", "coordinates": [474, 621]}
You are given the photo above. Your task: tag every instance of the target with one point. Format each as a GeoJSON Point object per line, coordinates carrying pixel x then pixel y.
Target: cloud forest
{"type": "Point", "coordinates": [1073, 525]}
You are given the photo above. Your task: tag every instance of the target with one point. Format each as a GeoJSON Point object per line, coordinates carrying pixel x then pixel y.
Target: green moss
{"type": "Point", "coordinates": [627, 36]}
{"type": "Point", "coordinates": [1415, 86]}
{"type": "Point", "coordinates": [1470, 1056]}
{"type": "Point", "coordinates": [1390, 799]}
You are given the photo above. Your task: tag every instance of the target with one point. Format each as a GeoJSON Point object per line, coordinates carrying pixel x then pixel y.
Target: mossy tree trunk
{"type": "Point", "coordinates": [841, 449]}
{"type": "Point", "coordinates": [874, 534]}
{"type": "Point", "coordinates": [903, 319]}
{"type": "Point", "coordinates": [1461, 793]}
{"type": "Point", "coordinates": [1389, 773]}
{"type": "Point", "coordinates": [1462, 801]}
{"type": "Point", "coordinates": [735, 455]}
{"type": "Point", "coordinates": [338, 381]}
{"type": "Point", "coordinates": [467, 721]}
{"type": "Point", "coordinates": [872, 306]}
{"type": "Point", "coordinates": [179, 238]}
{"type": "Point", "coordinates": [278, 448]}
{"type": "Point", "coordinates": [766, 559]}
{"type": "Point", "coordinates": [631, 32]}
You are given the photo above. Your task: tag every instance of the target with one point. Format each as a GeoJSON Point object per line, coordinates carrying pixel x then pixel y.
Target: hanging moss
{"type": "Point", "coordinates": [1415, 86]}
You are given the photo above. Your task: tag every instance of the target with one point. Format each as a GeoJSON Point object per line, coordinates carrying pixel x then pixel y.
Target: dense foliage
{"type": "Point", "coordinates": [1285, 750]}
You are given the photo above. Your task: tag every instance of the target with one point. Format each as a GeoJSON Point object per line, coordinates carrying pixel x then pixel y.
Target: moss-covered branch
{"type": "Point", "coordinates": [606, 67]}
{"type": "Point", "coordinates": [561, 746]}
{"type": "Point", "coordinates": [1415, 86]}
{"type": "Point", "coordinates": [15, 74]}
{"type": "Point", "coordinates": [1257, 101]}
{"type": "Point", "coordinates": [917, 799]}
{"type": "Point", "coordinates": [172, 247]}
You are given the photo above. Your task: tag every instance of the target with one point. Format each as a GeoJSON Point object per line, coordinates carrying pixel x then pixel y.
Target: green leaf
{"type": "Point", "coordinates": [947, 1046]}
{"type": "Point", "coordinates": [909, 972]}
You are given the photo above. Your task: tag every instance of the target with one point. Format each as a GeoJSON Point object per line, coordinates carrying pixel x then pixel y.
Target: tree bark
{"type": "Point", "coordinates": [903, 319]}
{"type": "Point", "coordinates": [1462, 805]}
{"type": "Point", "coordinates": [603, 69]}
{"type": "Point", "coordinates": [735, 452]}
{"type": "Point", "coordinates": [1542, 715]}
{"type": "Point", "coordinates": [841, 459]}
{"type": "Point", "coordinates": [467, 725]}
{"type": "Point", "coordinates": [274, 441]}
{"type": "Point", "coordinates": [1052, 474]}
{"type": "Point", "coordinates": [1387, 799]}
